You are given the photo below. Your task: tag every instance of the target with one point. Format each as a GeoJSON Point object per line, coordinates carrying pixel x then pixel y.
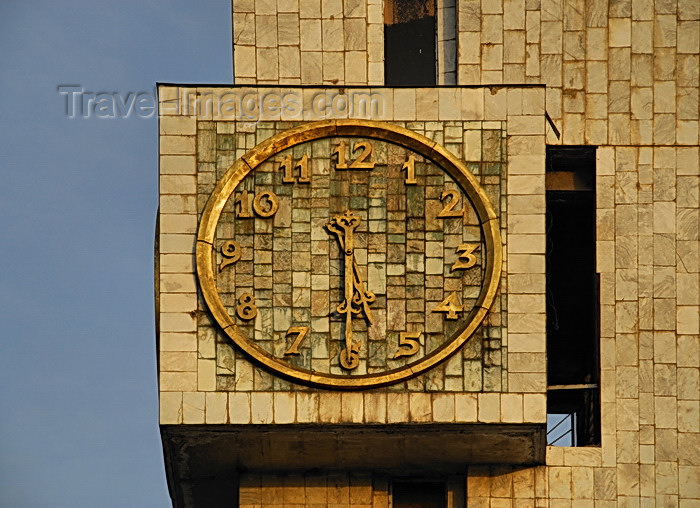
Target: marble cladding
{"type": "Point", "coordinates": [404, 235]}
{"type": "Point", "coordinates": [351, 490]}
{"type": "Point", "coordinates": [622, 75]}
{"type": "Point", "coordinates": [202, 380]}
{"type": "Point", "coordinates": [308, 42]}
{"type": "Point", "coordinates": [617, 73]}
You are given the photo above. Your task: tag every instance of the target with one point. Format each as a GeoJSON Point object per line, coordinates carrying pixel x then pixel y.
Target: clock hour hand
{"type": "Point", "coordinates": [362, 297]}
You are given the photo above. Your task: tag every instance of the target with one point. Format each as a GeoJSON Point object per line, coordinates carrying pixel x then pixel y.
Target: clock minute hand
{"type": "Point", "coordinates": [350, 359]}
{"type": "Point", "coordinates": [343, 227]}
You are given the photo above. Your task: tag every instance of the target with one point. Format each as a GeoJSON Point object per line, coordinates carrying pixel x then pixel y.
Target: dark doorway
{"type": "Point", "coordinates": [419, 494]}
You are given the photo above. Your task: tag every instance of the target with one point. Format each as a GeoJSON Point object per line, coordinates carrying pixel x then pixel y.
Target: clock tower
{"type": "Point", "coordinates": [341, 297]}
{"type": "Point", "coordinates": [434, 253]}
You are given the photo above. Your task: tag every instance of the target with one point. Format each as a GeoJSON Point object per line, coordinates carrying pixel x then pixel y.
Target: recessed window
{"type": "Point", "coordinates": [573, 365]}
{"type": "Point", "coordinates": [410, 43]}
{"type": "Point", "coordinates": [447, 42]}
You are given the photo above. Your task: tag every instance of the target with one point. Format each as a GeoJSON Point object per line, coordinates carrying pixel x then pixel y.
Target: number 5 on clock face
{"type": "Point", "coordinates": [409, 344]}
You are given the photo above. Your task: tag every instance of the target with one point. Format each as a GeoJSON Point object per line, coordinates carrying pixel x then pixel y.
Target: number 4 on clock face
{"type": "Point", "coordinates": [451, 306]}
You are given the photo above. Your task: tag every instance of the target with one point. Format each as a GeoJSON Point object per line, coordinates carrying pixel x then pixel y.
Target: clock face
{"type": "Point", "coordinates": [348, 254]}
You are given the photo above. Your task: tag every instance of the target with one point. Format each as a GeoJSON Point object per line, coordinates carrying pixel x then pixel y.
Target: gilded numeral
{"type": "Point", "coordinates": [450, 204]}
{"type": "Point", "coordinates": [466, 257]}
{"type": "Point", "coordinates": [340, 152]}
{"type": "Point", "coordinates": [361, 162]}
{"type": "Point", "coordinates": [409, 344]}
{"type": "Point", "coordinates": [231, 250]}
{"type": "Point", "coordinates": [303, 166]}
{"type": "Point", "coordinates": [246, 307]}
{"type": "Point", "coordinates": [242, 203]}
{"type": "Point", "coordinates": [300, 332]}
{"type": "Point", "coordinates": [288, 167]}
{"type": "Point", "coordinates": [410, 167]}
{"type": "Point", "coordinates": [265, 204]}
{"type": "Point", "coordinates": [451, 306]}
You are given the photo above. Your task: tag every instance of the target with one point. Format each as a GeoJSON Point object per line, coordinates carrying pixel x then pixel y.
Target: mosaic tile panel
{"type": "Point", "coordinates": [294, 268]}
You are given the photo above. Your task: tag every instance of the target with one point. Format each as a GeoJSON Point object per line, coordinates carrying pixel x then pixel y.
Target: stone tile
{"type": "Point", "coordinates": [489, 407]}
{"type": "Point", "coordinates": [284, 407]}
{"type": "Point", "coordinates": [352, 407]}
{"type": "Point", "coordinates": [170, 408]}
{"type": "Point", "coordinates": [261, 407]}
{"type": "Point", "coordinates": [216, 408]}
{"type": "Point", "coordinates": [443, 409]}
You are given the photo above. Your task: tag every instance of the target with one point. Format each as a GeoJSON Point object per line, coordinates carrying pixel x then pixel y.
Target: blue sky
{"type": "Point", "coordinates": [78, 199]}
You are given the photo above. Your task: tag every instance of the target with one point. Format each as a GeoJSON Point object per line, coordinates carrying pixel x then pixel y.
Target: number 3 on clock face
{"type": "Point", "coordinates": [348, 254]}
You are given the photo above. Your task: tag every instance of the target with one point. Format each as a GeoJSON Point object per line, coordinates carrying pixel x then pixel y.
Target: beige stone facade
{"type": "Point", "coordinates": [621, 75]}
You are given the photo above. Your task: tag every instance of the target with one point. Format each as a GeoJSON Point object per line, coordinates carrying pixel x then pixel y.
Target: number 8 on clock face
{"type": "Point", "coordinates": [348, 254]}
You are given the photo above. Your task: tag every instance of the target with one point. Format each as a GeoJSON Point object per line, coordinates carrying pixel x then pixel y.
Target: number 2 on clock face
{"type": "Point", "coordinates": [450, 199]}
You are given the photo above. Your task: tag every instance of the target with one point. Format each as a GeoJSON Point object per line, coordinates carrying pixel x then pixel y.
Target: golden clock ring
{"type": "Point", "coordinates": [312, 131]}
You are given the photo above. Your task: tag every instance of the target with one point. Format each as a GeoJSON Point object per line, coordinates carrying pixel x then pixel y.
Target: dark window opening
{"type": "Point", "coordinates": [419, 494]}
{"type": "Point", "coordinates": [573, 365]}
{"type": "Point", "coordinates": [410, 45]}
